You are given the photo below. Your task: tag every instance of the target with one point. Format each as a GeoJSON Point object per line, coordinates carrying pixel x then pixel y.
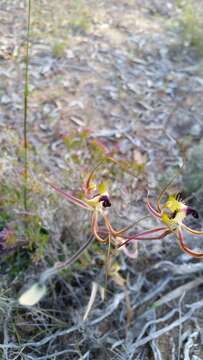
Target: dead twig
{"type": "Point", "coordinates": [178, 292]}
{"type": "Point", "coordinates": [168, 328]}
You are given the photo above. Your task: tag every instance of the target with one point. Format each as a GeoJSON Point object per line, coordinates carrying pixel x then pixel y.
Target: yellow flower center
{"type": "Point", "coordinates": [173, 212]}
{"type": "Point", "coordinates": [99, 197]}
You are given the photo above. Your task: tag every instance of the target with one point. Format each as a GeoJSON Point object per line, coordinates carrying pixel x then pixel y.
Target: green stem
{"type": "Point", "coordinates": [26, 94]}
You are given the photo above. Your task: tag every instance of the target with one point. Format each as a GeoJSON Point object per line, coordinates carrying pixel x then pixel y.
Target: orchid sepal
{"type": "Point", "coordinates": [71, 198]}
{"type": "Point", "coordinates": [94, 229]}
{"type": "Point", "coordinates": [184, 247]}
{"type": "Point", "coordinates": [192, 231]}
{"type": "Point", "coordinates": [152, 210]}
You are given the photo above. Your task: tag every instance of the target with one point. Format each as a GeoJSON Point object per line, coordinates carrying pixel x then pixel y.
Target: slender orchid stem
{"type": "Point", "coordinates": [108, 261]}
{"type": "Point", "coordinates": [25, 116]}
{"type": "Point", "coordinates": [62, 265]}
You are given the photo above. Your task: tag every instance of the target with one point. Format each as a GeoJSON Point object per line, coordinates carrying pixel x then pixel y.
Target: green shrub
{"type": "Point", "coordinates": [190, 24]}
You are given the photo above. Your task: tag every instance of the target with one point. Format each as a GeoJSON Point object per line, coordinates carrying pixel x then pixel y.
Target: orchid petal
{"type": "Point", "coordinates": [158, 237]}
{"type": "Point", "coordinates": [147, 232]}
{"type": "Point", "coordinates": [139, 236]}
{"type": "Point", "coordinates": [108, 225]}
{"type": "Point", "coordinates": [184, 248]}
{"type": "Point", "coordinates": [123, 230]}
{"type": "Point", "coordinates": [192, 231]}
{"type": "Point", "coordinates": [94, 229]}
{"type": "Point", "coordinates": [152, 210]}
{"type": "Point", "coordinates": [87, 183]}
{"type": "Point", "coordinates": [158, 203]}
{"type": "Point", "coordinates": [71, 198]}
{"type": "Point", "coordinates": [131, 254]}
{"type": "Point", "coordinates": [132, 225]}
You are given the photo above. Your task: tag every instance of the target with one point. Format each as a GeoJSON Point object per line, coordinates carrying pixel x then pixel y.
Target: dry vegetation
{"type": "Point", "coordinates": [127, 75]}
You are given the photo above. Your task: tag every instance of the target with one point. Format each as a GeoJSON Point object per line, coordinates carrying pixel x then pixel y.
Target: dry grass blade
{"type": "Point", "coordinates": [178, 292]}
{"type": "Point", "coordinates": [91, 300]}
{"type": "Point", "coordinates": [110, 309]}
{"type": "Point", "coordinates": [163, 319]}
{"type": "Point", "coordinates": [179, 269]}
{"type": "Point", "coordinates": [45, 340]}
{"type": "Point", "coordinates": [167, 328]}
{"type": "Point", "coordinates": [53, 355]}
{"type": "Point", "coordinates": [154, 291]}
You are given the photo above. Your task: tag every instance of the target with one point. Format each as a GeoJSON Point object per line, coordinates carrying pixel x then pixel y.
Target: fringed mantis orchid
{"type": "Point", "coordinates": [96, 199]}
{"type": "Point", "coordinates": [172, 214]}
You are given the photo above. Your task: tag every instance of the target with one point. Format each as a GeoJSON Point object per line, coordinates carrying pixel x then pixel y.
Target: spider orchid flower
{"type": "Point", "coordinates": [95, 199]}
{"type": "Point", "coordinates": [172, 215]}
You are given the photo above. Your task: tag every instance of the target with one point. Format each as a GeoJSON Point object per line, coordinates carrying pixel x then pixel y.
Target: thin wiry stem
{"type": "Point", "coordinates": [26, 94]}
{"type": "Point", "coordinates": [108, 261]}
{"type": "Point", "coordinates": [65, 264]}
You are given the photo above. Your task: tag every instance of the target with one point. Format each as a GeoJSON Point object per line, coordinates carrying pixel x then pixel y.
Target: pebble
{"type": "Point", "coordinates": [196, 130]}
{"type": "Point", "coordinates": [5, 99]}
